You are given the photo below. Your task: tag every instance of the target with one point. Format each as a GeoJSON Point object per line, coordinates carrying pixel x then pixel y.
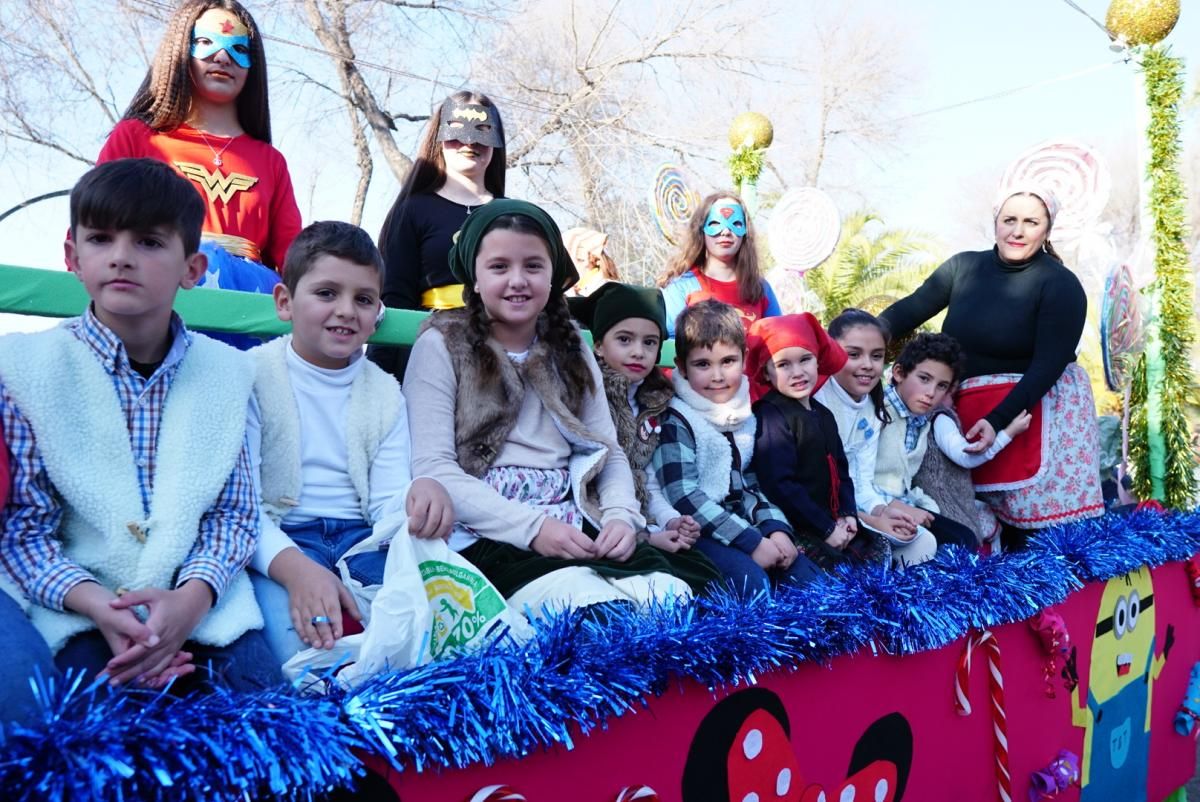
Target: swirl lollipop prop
{"type": "Point", "coordinates": [804, 229]}
{"type": "Point", "coordinates": [673, 201]}
{"type": "Point", "coordinates": [1075, 173]}
{"type": "Point", "coordinates": [1121, 340]}
{"type": "Point", "coordinates": [1120, 327]}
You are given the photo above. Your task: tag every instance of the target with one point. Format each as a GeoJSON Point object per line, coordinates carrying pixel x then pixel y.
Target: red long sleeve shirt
{"type": "Point", "coordinates": [249, 195]}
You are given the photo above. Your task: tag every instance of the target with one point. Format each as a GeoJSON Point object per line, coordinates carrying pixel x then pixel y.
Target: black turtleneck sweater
{"type": "Point", "coordinates": [1009, 318]}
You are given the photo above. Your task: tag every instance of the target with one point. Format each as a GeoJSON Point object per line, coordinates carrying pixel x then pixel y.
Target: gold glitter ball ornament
{"type": "Point", "coordinates": [1142, 22]}
{"type": "Point", "coordinates": [751, 128]}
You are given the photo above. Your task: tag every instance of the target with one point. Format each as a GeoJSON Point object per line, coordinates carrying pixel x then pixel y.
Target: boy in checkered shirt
{"type": "Point", "coordinates": [132, 513]}
{"type": "Point", "coordinates": [704, 452]}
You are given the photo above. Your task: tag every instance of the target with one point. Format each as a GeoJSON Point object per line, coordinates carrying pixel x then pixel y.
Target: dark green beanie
{"type": "Point", "coordinates": [613, 302]}
{"type": "Point", "coordinates": [466, 242]}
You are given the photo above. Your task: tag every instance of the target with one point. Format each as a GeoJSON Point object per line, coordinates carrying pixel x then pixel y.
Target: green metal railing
{"type": "Point", "coordinates": [58, 293]}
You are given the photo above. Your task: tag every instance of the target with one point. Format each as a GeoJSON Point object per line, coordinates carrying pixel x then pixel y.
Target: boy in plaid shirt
{"type": "Point", "coordinates": [703, 457]}
{"type": "Point", "coordinates": [133, 513]}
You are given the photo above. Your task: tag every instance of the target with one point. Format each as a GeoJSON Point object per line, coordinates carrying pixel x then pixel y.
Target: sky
{"type": "Point", "coordinates": [937, 178]}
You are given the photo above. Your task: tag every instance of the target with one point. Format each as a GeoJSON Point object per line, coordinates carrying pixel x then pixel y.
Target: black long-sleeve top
{"type": "Point", "coordinates": [792, 449]}
{"type": "Point", "coordinates": [415, 243]}
{"type": "Point", "coordinates": [1022, 318]}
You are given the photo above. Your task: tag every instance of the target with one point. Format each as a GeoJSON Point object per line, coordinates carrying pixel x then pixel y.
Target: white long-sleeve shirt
{"type": "Point", "coordinates": [859, 428]}
{"type": "Point", "coordinates": [322, 398]}
{"type": "Point", "coordinates": [952, 443]}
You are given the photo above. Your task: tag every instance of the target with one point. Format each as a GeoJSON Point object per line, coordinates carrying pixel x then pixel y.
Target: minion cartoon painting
{"type": "Point", "coordinates": [1121, 675]}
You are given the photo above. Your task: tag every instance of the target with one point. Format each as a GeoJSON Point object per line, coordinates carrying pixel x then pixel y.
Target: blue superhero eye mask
{"type": "Point", "coordinates": [729, 217]}
{"type": "Point", "coordinates": [207, 42]}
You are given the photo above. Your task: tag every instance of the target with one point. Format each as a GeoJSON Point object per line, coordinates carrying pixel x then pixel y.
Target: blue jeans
{"type": "Point", "coordinates": [26, 655]}
{"type": "Point", "coordinates": [324, 540]}
{"type": "Point", "coordinates": [745, 575]}
{"type": "Point", "coordinates": [244, 665]}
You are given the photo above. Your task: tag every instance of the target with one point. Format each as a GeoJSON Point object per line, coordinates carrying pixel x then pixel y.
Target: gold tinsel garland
{"type": "Point", "coordinates": [1172, 292]}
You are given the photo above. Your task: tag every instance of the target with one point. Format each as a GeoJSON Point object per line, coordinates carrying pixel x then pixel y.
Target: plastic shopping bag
{"type": "Point", "coordinates": [433, 604]}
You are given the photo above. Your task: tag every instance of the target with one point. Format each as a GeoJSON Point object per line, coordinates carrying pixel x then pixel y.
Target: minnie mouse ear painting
{"type": "Point", "coordinates": [743, 750]}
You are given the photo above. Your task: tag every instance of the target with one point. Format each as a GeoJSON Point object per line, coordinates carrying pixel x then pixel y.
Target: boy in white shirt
{"type": "Point", "coordinates": [329, 440]}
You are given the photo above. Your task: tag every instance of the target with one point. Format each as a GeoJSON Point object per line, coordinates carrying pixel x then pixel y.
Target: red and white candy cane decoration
{"type": "Point", "coordinates": [641, 793]}
{"type": "Point", "coordinates": [996, 694]}
{"type": "Point", "coordinates": [496, 793]}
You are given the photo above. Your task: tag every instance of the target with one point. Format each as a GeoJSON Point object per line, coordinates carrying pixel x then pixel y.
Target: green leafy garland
{"type": "Point", "coordinates": [1161, 446]}
{"type": "Point", "coordinates": [746, 165]}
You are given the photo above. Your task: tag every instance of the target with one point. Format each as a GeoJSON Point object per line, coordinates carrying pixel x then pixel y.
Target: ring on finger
{"type": "Point", "coordinates": [319, 619]}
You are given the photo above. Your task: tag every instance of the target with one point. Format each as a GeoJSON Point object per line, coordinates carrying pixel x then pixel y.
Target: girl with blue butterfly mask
{"type": "Point", "coordinates": [718, 259]}
{"type": "Point", "coordinates": [203, 109]}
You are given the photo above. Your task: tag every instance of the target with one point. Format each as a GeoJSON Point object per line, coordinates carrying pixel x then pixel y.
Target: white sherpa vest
{"type": "Point", "coordinates": [374, 408]}
{"type": "Point", "coordinates": [894, 466]}
{"type": "Point", "coordinates": [714, 457]}
{"type": "Point", "coordinates": [83, 438]}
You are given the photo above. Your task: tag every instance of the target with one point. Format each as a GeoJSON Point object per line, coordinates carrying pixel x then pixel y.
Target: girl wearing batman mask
{"type": "Point", "coordinates": [203, 109]}
{"type": "Point", "coordinates": [459, 167]}
{"type": "Point", "coordinates": [718, 259]}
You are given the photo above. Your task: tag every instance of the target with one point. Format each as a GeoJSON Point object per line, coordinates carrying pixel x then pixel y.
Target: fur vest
{"type": "Point", "coordinates": [371, 415]}
{"type": "Point", "coordinates": [85, 447]}
{"type": "Point", "coordinates": [712, 426]}
{"type": "Point", "coordinates": [637, 433]}
{"type": "Point", "coordinates": [948, 483]}
{"type": "Point", "coordinates": [490, 391]}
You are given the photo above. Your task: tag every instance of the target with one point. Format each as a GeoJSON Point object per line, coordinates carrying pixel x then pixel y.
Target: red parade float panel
{"type": "Point", "coordinates": [888, 728]}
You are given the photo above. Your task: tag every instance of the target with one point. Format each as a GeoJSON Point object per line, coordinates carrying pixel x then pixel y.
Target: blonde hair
{"type": "Point", "coordinates": [691, 252]}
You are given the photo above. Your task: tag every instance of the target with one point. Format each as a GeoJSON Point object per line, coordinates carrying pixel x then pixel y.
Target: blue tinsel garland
{"type": "Point", "coordinates": [506, 701]}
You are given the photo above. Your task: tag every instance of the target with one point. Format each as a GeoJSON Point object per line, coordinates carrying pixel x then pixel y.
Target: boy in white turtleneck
{"type": "Point", "coordinates": [704, 451]}
{"type": "Point", "coordinates": [329, 440]}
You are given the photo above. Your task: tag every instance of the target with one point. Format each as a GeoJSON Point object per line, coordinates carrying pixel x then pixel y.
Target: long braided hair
{"type": "Point", "coordinates": [555, 326]}
{"type": "Point", "coordinates": [165, 97]}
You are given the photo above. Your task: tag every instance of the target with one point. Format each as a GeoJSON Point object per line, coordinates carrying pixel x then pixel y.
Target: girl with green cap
{"type": "Point", "coordinates": [508, 412]}
{"type": "Point", "coordinates": [628, 326]}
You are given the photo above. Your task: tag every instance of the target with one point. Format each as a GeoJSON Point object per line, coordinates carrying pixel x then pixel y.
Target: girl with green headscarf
{"type": "Point", "coordinates": [508, 412]}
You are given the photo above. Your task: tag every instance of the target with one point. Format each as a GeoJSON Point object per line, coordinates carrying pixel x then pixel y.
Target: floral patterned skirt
{"type": "Point", "coordinates": [510, 568]}
{"type": "Point", "coordinates": [1051, 473]}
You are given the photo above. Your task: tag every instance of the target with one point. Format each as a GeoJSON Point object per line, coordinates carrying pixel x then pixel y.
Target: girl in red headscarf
{"type": "Point", "coordinates": [797, 450]}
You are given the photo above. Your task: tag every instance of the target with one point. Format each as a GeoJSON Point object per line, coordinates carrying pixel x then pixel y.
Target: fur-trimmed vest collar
{"type": "Point", "coordinates": [490, 391]}
{"type": "Point", "coordinates": [637, 433]}
{"type": "Point", "coordinates": [717, 428]}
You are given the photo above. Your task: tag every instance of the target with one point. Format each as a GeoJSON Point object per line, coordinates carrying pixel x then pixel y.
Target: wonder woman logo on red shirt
{"type": "Point", "coordinates": [216, 184]}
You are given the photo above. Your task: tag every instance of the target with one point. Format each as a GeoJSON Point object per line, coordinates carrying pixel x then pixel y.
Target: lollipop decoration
{"type": "Point", "coordinates": [1077, 176]}
{"type": "Point", "coordinates": [750, 135]}
{"type": "Point", "coordinates": [673, 201]}
{"type": "Point", "coordinates": [804, 229]}
{"type": "Point", "coordinates": [1120, 327]}
{"type": "Point", "coordinates": [1121, 342]}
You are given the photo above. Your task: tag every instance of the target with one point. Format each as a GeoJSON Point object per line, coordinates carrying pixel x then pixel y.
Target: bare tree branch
{"type": "Point", "coordinates": [334, 36]}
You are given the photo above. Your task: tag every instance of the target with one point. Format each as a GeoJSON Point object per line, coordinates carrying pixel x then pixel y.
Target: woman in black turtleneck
{"type": "Point", "coordinates": [1019, 314]}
